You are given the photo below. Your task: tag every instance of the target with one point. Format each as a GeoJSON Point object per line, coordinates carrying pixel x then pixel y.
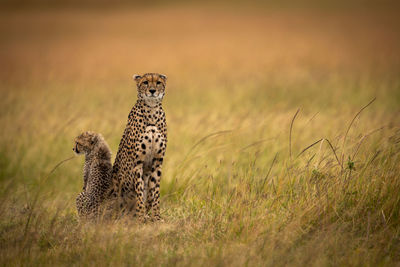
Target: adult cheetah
{"type": "Point", "coordinates": [137, 168]}
{"type": "Point", "coordinates": [96, 173]}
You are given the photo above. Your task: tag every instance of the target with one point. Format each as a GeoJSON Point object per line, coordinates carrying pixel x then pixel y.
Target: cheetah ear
{"type": "Point", "coordinates": [162, 76]}
{"type": "Point", "coordinates": [136, 78]}
{"type": "Point", "coordinates": [93, 140]}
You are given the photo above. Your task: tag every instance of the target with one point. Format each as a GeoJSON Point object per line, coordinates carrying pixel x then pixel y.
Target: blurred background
{"type": "Point", "coordinates": [237, 73]}
{"type": "Point", "coordinates": [86, 43]}
{"type": "Point", "coordinates": [241, 66]}
{"type": "Point", "coordinates": [238, 66]}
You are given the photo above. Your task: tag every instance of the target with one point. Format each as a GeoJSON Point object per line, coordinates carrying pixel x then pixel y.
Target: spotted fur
{"type": "Point", "coordinates": [96, 173]}
{"type": "Point", "coordinates": [137, 170]}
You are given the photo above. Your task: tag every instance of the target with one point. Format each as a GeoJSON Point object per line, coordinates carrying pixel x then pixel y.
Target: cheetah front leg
{"type": "Point", "coordinates": [153, 199]}
{"type": "Point", "coordinates": [139, 192]}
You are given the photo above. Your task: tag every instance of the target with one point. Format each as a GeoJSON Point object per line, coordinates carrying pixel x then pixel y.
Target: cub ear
{"type": "Point", "coordinates": [162, 76]}
{"type": "Point", "coordinates": [93, 139]}
{"type": "Point", "coordinates": [136, 78]}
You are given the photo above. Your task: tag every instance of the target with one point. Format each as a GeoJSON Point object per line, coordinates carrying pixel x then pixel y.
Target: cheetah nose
{"type": "Point", "coordinates": [152, 91]}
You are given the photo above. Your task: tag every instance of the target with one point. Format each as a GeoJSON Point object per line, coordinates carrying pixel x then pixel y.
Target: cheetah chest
{"type": "Point", "coordinates": [151, 146]}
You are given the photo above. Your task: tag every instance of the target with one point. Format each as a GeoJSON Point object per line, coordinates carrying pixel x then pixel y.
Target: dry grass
{"type": "Point", "coordinates": [242, 183]}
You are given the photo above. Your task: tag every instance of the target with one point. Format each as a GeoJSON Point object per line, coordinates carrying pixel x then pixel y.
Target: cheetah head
{"type": "Point", "coordinates": [85, 142]}
{"type": "Point", "coordinates": [151, 87]}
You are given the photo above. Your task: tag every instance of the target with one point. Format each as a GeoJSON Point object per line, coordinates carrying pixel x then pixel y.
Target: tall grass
{"type": "Point", "coordinates": [275, 155]}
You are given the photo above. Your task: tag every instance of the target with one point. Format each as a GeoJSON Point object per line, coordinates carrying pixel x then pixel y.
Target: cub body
{"type": "Point", "coordinates": [96, 173]}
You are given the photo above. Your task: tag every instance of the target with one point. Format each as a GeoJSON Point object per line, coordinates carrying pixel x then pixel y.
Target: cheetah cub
{"type": "Point", "coordinates": [96, 172]}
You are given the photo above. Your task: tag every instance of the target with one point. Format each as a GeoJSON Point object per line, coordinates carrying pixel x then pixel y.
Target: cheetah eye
{"type": "Point", "coordinates": [145, 82]}
{"type": "Point", "coordinates": [158, 82]}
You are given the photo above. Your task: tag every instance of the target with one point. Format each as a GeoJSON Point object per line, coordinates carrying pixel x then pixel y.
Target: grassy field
{"type": "Point", "coordinates": [241, 184]}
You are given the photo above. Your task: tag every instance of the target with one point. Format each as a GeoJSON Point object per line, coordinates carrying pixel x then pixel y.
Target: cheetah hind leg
{"type": "Point", "coordinates": [80, 204]}
{"type": "Point", "coordinates": [86, 209]}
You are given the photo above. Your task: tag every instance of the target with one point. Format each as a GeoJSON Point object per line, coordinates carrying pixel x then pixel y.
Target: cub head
{"type": "Point", "coordinates": [85, 142]}
{"type": "Point", "coordinates": [151, 87]}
